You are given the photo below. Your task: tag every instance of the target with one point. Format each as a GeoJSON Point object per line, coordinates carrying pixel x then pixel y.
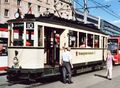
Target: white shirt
{"type": "Point", "coordinates": [66, 56]}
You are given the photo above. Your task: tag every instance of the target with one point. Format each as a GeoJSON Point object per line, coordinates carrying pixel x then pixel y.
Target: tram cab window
{"type": "Point", "coordinates": [29, 37]}
{"type": "Point", "coordinates": [18, 35]}
{"type": "Point", "coordinates": [40, 36]}
{"type": "Point", "coordinates": [89, 40]}
{"type": "Point", "coordinates": [96, 41]}
{"type": "Point", "coordinates": [72, 38]}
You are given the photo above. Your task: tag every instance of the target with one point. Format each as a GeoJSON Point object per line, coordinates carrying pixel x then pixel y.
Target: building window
{"type": "Point", "coordinates": [6, 13]}
{"type": "Point", "coordinates": [67, 6]}
{"type": "Point", "coordinates": [61, 3]}
{"type": "Point", "coordinates": [54, 11]}
{"type": "Point", "coordinates": [29, 5]}
{"type": "Point", "coordinates": [39, 0]}
{"type": "Point", "coordinates": [47, 8]}
{"type": "Point", "coordinates": [18, 2]}
{"type": "Point", "coordinates": [6, 1]}
{"type": "Point", "coordinates": [38, 8]}
{"type": "Point", "coordinates": [55, 1]}
{"type": "Point", "coordinates": [46, 1]}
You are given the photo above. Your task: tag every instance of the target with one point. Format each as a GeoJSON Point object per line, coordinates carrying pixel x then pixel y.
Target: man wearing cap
{"type": "Point", "coordinates": [66, 65]}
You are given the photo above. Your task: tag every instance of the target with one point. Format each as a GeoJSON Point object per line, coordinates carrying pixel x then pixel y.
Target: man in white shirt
{"type": "Point", "coordinates": [66, 65]}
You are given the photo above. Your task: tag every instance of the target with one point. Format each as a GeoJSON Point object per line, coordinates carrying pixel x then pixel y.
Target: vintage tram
{"type": "Point", "coordinates": [35, 46]}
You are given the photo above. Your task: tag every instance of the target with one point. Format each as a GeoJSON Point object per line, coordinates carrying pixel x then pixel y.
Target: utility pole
{"type": "Point", "coordinates": [85, 11]}
{"type": "Point", "coordinates": [73, 9]}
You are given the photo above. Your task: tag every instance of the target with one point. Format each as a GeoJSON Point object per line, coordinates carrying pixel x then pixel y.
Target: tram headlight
{"type": "Point", "coordinates": [15, 61]}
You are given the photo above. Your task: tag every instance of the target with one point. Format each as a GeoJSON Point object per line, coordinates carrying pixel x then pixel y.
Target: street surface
{"type": "Point", "coordinates": [94, 79]}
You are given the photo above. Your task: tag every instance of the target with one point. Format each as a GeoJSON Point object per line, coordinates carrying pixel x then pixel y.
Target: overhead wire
{"type": "Point", "coordinates": [108, 10]}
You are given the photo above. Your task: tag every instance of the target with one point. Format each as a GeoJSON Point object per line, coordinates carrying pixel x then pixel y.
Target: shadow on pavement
{"type": "Point", "coordinates": [2, 74]}
{"type": "Point", "coordinates": [100, 76]}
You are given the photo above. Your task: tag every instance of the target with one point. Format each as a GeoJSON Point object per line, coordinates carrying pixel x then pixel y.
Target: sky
{"type": "Point", "coordinates": [108, 10]}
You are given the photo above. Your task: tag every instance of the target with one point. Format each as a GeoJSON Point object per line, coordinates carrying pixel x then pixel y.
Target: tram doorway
{"type": "Point", "coordinates": [52, 45]}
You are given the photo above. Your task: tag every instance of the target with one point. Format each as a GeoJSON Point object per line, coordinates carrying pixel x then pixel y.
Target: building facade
{"type": "Point", "coordinates": [90, 19]}
{"type": "Point", "coordinates": [109, 28]}
{"type": "Point", "coordinates": [9, 8]}
{"type": "Point", "coordinates": [105, 26]}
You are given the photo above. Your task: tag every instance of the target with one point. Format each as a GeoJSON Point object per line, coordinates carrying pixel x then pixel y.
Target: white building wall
{"type": "Point", "coordinates": [58, 7]}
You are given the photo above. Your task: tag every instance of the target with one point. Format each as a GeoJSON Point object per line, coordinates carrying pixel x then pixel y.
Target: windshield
{"type": "Point", "coordinates": [113, 46]}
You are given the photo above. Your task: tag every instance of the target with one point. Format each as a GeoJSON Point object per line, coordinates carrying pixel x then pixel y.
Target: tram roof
{"type": "Point", "coordinates": [59, 21]}
{"type": "Point", "coordinates": [3, 25]}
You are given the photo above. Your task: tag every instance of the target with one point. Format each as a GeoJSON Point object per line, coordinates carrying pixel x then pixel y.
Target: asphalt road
{"type": "Point", "coordinates": [94, 79]}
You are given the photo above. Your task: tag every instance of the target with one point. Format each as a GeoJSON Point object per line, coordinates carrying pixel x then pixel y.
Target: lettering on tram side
{"type": "Point", "coordinates": [84, 53]}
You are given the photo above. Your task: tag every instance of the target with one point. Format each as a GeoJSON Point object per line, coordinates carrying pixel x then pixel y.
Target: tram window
{"type": "Point", "coordinates": [18, 37]}
{"type": "Point", "coordinates": [105, 42]}
{"type": "Point", "coordinates": [40, 36]}
{"type": "Point", "coordinates": [89, 40]}
{"type": "Point", "coordinates": [82, 40]}
{"type": "Point", "coordinates": [102, 42]}
{"type": "Point", "coordinates": [29, 37]}
{"type": "Point", "coordinates": [96, 41]}
{"type": "Point", "coordinates": [72, 39]}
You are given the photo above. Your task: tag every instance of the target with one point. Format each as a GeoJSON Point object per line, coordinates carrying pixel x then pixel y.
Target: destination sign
{"type": "Point", "coordinates": [18, 25]}
{"type": "Point", "coordinates": [30, 25]}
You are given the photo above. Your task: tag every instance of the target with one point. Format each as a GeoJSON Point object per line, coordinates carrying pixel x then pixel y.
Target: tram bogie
{"type": "Point", "coordinates": [35, 46]}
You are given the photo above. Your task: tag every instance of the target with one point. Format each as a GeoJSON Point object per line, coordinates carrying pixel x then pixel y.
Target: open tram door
{"type": "Point", "coordinates": [52, 46]}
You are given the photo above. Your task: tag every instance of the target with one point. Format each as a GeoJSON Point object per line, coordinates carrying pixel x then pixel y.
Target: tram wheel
{"type": "Point", "coordinates": [11, 78]}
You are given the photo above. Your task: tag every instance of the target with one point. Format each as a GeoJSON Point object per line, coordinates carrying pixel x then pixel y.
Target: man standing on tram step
{"type": "Point", "coordinates": [66, 65]}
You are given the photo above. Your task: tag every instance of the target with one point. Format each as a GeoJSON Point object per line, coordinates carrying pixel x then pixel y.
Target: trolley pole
{"type": "Point", "coordinates": [85, 11]}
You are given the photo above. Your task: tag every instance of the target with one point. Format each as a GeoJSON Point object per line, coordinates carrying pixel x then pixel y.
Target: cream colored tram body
{"type": "Point", "coordinates": [35, 46]}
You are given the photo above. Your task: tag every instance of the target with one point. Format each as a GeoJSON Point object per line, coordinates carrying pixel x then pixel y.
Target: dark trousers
{"type": "Point", "coordinates": [66, 71]}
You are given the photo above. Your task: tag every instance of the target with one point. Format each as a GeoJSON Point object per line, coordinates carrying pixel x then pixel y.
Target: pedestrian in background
{"type": "Point", "coordinates": [109, 65]}
{"type": "Point", "coordinates": [66, 65]}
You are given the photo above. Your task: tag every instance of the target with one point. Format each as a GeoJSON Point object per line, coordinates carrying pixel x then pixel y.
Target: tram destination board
{"type": "Point", "coordinates": [29, 25]}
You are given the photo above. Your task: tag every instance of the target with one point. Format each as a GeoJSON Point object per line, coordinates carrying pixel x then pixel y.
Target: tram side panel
{"type": "Point", "coordinates": [86, 55]}
{"type": "Point", "coordinates": [27, 58]}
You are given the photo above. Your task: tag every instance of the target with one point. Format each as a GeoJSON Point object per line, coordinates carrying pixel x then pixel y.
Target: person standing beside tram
{"type": "Point", "coordinates": [109, 64]}
{"type": "Point", "coordinates": [66, 65]}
